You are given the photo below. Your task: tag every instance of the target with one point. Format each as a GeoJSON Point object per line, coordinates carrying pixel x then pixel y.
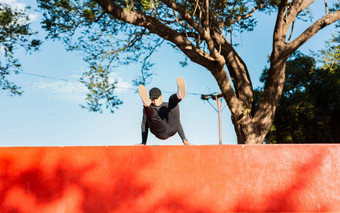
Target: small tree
{"type": "Point", "coordinates": [309, 109]}
{"type": "Point", "coordinates": [14, 33]}
{"type": "Point", "coordinates": [199, 29]}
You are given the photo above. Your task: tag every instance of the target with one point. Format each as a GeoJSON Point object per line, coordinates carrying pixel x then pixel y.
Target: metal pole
{"type": "Point", "coordinates": [216, 96]}
{"type": "Point", "coordinates": [218, 102]}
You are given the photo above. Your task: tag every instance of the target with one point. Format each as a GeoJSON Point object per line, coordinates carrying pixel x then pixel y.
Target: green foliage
{"type": "Point", "coordinates": [14, 33]}
{"type": "Point", "coordinates": [101, 87]}
{"type": "Point", "coordinates": [309, 109]}
{"type": "Point", "coordinates": [331, 55]}
{"type": "Point", "coordinates": [105, 42]}
{"type": "Point", "coordinates": [147, 4]}
{"type": "Point", "coordinates": [108, 42]}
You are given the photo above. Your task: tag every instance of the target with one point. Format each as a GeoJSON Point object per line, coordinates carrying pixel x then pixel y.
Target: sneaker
{"type": "Point", "coordinates": [180, 88]}
{"type": "Point", "coordinates": [144, 95]}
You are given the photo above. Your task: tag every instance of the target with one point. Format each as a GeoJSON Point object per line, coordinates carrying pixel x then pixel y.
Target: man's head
{"type": "Point", "coordinates": [156, 96]}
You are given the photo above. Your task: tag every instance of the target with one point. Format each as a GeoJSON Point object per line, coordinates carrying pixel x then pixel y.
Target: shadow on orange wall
{"type": "Point", "coordinates": [55, 178]}
{"type": "Point", "coordinates": [293, 196]}
{"type": "Point", "coordinates": [170, 179]}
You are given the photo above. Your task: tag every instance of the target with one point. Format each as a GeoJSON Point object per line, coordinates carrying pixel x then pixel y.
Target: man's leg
{"type": "Point", "coordinates": [176, 98]}
{"type": "Point", "coordinates": [174, 124]}
{"type": "Point", "coordinates": [149, 111]}
{"type": "Point", "coordinates": [144, 95]}
{"type": "Point", "coordinates": [180, 88]}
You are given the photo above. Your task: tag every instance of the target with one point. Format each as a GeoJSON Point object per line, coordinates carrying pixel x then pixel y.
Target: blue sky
{"type": "Point", "coordinates": [48, 113]}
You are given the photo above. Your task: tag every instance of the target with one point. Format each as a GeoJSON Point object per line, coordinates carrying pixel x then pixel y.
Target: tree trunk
{"type": "Point", "coordinates": [252, 124]}
{"type": "Point", "coordinates": [253, 129]}
{"type": "Point", "coordinates": [245, 129]}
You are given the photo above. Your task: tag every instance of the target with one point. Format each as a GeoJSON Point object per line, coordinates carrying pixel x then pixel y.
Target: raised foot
{"type": "Point", "coordinates": [180, 88]}
{"type": "Point", "coordinates": [144, 95]}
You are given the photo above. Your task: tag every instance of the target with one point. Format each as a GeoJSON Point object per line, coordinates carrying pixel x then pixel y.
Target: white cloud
{"type": "Point", "coordinates": [33, 17]}
{"type": "Point", "coordinates": [2, 50]}
{"type": "Point", "coordinates": [15, 4]}
{"type": "Point", "coordinates": [73, 90]}
{"type": "Point", "coordinates": [122, 85]}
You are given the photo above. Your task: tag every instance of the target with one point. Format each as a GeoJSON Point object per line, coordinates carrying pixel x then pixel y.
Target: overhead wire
{"type": "Point", "coordinates": [44, 76]}
{"type": "Point", "coordinates": [118, 87]}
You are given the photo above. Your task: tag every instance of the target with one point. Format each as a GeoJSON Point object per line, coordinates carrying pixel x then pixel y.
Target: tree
{"type": "Point", "coordinates": [330, 56]}
{"type": "Point", "coordinates": [309, 109]}
{"type": "Point", "coordinates": [104, 29]}
{"type": "Point", "coordinates": [15, 33]}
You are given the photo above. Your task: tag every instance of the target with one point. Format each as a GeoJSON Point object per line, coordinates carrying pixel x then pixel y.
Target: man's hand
{"type": "Point", "coordinates": [185, 142]}
{"type": "Point", "coordinates": [140, 144]}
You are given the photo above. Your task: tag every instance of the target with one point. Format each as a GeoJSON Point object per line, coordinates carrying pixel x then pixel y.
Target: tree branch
{"type": "Point", "coordinates": [205, 33]}
{"type": "Point", "coordinates": [237, 69]}
{"type": "Point", "coordinates": [157, 27]}
{"type": "Point", "coordinates": [291, 32]}
{"type": "Point", "coordinates": [295, 8]}
{"type": "Point", "coordinates": [206, 22]}
{"type": "Point", "coordinates": [313, 29]}
{"type": "Point", "coordinates": [326, 7]}
{"type": "Point", "coordinates": [185, 15]}
{"type": "Point", "coordinates": [251, 12]}
{"type": "Point", "coordinates": [279, 34]}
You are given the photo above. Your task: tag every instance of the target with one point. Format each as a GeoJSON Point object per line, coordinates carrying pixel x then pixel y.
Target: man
{"type": "Point", "coordinates": [162, 118]}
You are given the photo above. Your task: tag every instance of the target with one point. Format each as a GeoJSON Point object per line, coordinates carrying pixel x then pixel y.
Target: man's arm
{"type": "Point", "coordinates": [182, 135]}
{"type": "Point", "coordinates": [181, 131]}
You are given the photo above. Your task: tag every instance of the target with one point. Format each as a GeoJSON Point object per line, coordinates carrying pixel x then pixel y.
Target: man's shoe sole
{"type": "Point", "coordinates": [144, 95]}
{"type": "Point", "coordinates": [181, 87]}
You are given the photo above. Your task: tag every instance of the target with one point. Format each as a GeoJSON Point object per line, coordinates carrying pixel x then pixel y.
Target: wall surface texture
{"type": "Point", "coordinates": [170, 178]}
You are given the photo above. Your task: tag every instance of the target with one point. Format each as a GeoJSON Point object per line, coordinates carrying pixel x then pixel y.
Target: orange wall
{"type": "Point", "coordinates": [170, 178]}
